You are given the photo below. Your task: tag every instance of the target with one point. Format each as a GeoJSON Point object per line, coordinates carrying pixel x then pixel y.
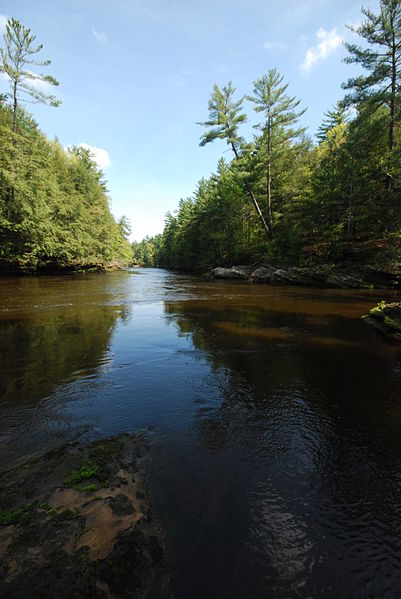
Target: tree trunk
{"type": "Point", "coordinates": [269, 176]}
{"type": "Point", "coordinates": [393, 96]}
{"type": "Point", "coordinates": [253, 198]}
{"type": "Point", "coordinates": [15, 108]}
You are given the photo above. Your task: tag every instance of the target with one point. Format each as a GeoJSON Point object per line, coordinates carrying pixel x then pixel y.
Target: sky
{"type": "Point", "coordinates": [136, 76]}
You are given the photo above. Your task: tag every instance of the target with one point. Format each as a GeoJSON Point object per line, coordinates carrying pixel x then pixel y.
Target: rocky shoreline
{"type": "Point", "coordinates": [77, 522]}
{"type": "Point", "coordinates": [386, 318]}
{"type": "Point", "coordinates": [324, 276]}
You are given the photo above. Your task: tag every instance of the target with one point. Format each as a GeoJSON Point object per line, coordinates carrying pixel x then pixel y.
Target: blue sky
{"type": "Point", "coordinates": [136, 75]}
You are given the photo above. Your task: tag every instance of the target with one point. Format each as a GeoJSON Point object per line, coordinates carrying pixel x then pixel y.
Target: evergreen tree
{"type": "Point", "coordinates": [225, 116]}
{"type": "Point", "coordinates": [281, 115]}
{"type": "Point", "coordinates": [332, 118]}
{"type": "Point", "coordinates": [382, 60]}
{"type": "Point", "coordinates": [16, 58]}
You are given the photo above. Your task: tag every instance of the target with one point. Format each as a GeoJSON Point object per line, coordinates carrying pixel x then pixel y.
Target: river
{"type": "Point", "coordinates": [274, 419]}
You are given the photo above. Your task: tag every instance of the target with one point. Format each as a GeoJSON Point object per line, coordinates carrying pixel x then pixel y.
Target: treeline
{"type": "Point", "coordinates": [283, 197]}
{"type": "Point", "coordinates": [54, 210]}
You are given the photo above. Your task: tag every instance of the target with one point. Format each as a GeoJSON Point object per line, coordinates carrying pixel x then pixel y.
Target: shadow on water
{"type": "Point", "coordinates": [291, 483]}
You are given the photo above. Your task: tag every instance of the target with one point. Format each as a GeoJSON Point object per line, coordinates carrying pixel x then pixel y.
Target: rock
{"type": "Point", "coordinates": [386, 318]}
{"type": "Point", "coordinates": [262, 274]}
{"type": "Point", "coordinates": [313, 276]}
{"type": "Point", "coordinates": [235, 272]}
{"type": "Point", "coordinates": [77, 522]}
{"type": "Point", "coordinates": [305, 277]}
{"type": "Point", "coordinates": [344, 280]}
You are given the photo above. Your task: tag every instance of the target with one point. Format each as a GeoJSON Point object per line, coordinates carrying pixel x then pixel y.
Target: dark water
{"type": "Point", "coordinates": [275, 413]}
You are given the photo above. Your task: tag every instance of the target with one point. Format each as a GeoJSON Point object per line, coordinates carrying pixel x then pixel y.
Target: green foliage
{"type": "Point", "coordinates": [87, 489]}
{"type": "Point", "coordinates": [319, 200]}
{"type": "Point", "coordinates": [84, 473]}
{"type": "Point", "coordinates": [54, 211]}
{"type": "Point", "coordinates": [16, 59]}
{"type": "Point", "coordinates": [381, 59]}
{"type": "Point", "coordinates": [12, 517]}
{"type": "Point", "coordinates": [225, 116]}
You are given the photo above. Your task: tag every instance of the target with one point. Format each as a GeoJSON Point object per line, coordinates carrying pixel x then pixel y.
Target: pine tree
{"type": "Point", "coordinates": [225, 116]}
{"type": "Point", "coordinates": [338, 115]}
{"type": "Point", "coordinates": [382, 60]}
{"type": "Point", "coordinates": [16, 59]}
{"type": "Point", "coordinates": [281, 115]}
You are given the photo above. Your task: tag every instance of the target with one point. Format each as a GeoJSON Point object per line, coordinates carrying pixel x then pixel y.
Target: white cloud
{"type": "Point", "coordinates": [3, 22]}
{"type": "Point", "coordinates": [99, 155]}
{"type": "Point", "coordinates": [329, 41]}
{"type": "Point", "coordinates": [100, 36]}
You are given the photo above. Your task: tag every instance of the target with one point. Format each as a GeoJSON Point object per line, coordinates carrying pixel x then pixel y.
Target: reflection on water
{"type": "Point", "coordinates": [276, 417]}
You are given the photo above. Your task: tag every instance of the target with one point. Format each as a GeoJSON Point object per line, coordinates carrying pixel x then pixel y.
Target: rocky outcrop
{"type": "Point", "coordinates": [305, 277]}
{"type": "Point", "coordinates": [235, 272]}
{"type": "Point", "coordinates": [77, 522]}
{"type": "Point", "coordinates": [386, 318]}
{"type": "Point", "coordinates": [314, 276]}
{"type": "Point", "coordinates": [347, 280]}
{"type": "Point", "coordinates": [263, 274]}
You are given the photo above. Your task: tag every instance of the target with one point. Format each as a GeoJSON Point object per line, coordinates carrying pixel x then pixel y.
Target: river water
{"type": "Point", "coordinates": [274, 419]}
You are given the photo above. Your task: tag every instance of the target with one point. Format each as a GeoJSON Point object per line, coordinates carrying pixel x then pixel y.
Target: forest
{"type": "Point", "coordinates": [54, 207]}
{"type": "Point", "coordinates": [286, 198]}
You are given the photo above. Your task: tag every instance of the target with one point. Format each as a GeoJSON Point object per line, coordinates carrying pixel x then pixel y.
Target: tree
{"type": "Point", "coordinates": [382, 60]}
{"type": "Point", "coordinates": [15, 60]}
{"type": "Point", "coordinates": [280, 115]}
{"type": "Point", "coordinates": [338, 115]}
{"type": "Point", "coordinates": [225, 116]}
{"type": "Point", "coordinates": [125, 226]}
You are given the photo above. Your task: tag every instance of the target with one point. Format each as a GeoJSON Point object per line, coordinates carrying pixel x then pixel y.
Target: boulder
{"type": "Point", "coordinates": [386, 318]}
{"type": "Point", "coordinates": [345, 280]}
{"type": "Point", "coordinates": [263, 274]}
{"type": "Point", "coordinates": [235, 272]}
{"type": "Point", "coordinates": [305, 277]}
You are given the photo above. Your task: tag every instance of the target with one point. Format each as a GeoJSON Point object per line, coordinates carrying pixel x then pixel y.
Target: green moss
{"type": "Point", "coordinates": [394, 323]}
{"type": "Point", "coordinates": [378, 310]}
{"type": "Point", "coordinates": [88, 489]}
{"type": "Point", "coordinates": [84, 473]}
{"type": "Point", "coordinates": [8, 517]}
{"type": "Point", "coordinates": [85, 565]}
{"type": "Point", "coordinates": [68, 515]}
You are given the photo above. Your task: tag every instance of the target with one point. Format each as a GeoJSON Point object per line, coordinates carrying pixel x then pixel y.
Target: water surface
{"type": "Point", "coordinates": [275, 419]}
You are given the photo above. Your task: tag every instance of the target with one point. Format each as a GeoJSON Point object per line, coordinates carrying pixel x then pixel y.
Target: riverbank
{"type": "Point", "coordinates": [52, 268]}
{"type": "Point", "coordinates": [322, 276]}
{"type": "Point", "coordinates": [77, 522]}
{"type": "Point", "coordinates": [386, 318]}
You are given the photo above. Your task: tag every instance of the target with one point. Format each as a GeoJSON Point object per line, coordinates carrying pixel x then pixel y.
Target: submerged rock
{"type": "Point", "coordinates": [77, 522]}
{"type": "Point", "coordinates": [386, 318]}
